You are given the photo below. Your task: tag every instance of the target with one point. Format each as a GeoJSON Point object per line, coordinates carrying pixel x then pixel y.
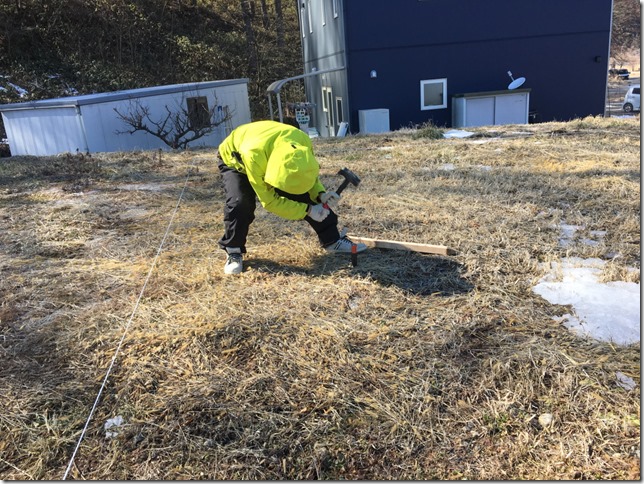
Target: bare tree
{"type": "Point", "coordinates": [279, 24]}
{"type": "Point", "coordinates": [179, 127]}
{"type": "Point", "coordinates": [248, 12]}
{"type": "Point", "coordinates": [265, 18]}
{"type": "Point", "coordinates": [625, 36]}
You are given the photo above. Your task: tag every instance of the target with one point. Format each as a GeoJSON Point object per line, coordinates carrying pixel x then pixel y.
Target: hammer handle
{"type": "Point", "coordinates": [338, 190]}
{"type": "Point", "coordinates": [342, 186]}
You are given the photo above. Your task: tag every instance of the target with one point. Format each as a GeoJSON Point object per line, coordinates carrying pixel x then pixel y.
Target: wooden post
{"type": "Point", "coordinates": [410, 246]}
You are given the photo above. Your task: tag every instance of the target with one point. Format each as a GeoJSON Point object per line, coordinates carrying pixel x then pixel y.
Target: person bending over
{"type": "Point", "coordinates": [274, 163]}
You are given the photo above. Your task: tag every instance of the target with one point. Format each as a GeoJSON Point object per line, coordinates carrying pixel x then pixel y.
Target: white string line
{"type": "Point", "coordinates": [127, 327]}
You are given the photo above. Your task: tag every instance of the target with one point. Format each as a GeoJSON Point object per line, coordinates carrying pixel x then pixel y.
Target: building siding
{"type": "Point", "coordinates": [53, 131]}
{"type": "Point", "coordinates": [324, 48]}
{"type": "Point", "coordinates": [561, 47]}
{"type": "Point", "coordinates": [90, 123]}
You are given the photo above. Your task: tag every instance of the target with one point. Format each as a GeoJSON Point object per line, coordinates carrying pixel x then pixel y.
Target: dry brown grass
{"type": "Point", "coordinates": [407, 366]}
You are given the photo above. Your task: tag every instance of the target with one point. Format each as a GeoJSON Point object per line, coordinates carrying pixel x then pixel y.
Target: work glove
{"type": "Point", "coordinates": [330, 199]}
{"type": "Point", "coordinates": [318, 212]}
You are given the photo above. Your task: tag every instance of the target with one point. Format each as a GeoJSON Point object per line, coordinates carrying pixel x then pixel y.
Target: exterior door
{"type": "Point", "coordinates": [329, 109]}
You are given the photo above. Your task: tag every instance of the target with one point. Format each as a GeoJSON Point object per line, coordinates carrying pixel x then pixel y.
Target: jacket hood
{"type": "Point", "coordinates": [292, 168]}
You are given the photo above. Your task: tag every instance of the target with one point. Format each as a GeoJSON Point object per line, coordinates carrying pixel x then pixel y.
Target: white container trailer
{"type": "Point", "coordinates": [90, 123]}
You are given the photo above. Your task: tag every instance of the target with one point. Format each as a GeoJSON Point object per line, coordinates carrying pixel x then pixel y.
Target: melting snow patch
{"type": "Point", "coordinates": [568, 234]}
{"type": "Point", "coordinates": [457, 133]}
{"type": "Point", "coordinates": [113, 423]}
{"type": "Point", "coordinates": [21, 92]}
{"type": "Point", "coordinates": [626, 382]}
{"type": "Point", "coordinates": [597, 234]}
{"type": "Point", "coordinates": [605, 311]}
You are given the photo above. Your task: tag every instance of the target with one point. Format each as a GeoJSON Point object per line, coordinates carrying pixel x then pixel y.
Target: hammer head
{"type": "Point", "coordinates": [349, 177]}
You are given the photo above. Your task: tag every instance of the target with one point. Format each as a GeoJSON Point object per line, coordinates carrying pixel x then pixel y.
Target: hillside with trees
{"type": "Point", "coordinates": [627, 24]}
{"type": "Point", "coordinates": [58, 48]}
{"type": "Point", "coordinates": [62, 47]}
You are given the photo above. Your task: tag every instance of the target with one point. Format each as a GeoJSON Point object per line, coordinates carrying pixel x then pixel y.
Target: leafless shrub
{"type": "Point", "coordinates": [179, 126]}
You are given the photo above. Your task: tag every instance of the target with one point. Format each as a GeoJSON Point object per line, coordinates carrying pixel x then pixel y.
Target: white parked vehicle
{"type": "Point", "coordinates": [632, 99]}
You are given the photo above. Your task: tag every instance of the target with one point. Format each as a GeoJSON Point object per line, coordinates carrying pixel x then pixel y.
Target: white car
{"type": "Point", "coordinates": [632, 99]}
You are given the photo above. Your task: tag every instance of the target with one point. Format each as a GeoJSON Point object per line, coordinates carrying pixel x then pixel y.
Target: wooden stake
{"type": "Point", "coordinates": [410, 246]}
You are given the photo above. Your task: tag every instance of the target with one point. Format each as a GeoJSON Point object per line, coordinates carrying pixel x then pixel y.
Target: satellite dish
{"type": "Point", "coordinates": [515, 82]}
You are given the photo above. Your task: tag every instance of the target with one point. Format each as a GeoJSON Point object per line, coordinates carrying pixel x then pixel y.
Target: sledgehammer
{"type": "Point", "coordinates": [349, 177]}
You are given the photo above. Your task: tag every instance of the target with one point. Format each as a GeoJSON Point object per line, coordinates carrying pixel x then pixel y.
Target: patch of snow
{"type": "Point", "coordinates": [626, 382]}
{"type": "Point", "coordinates": [457, 133]}
{"type": "Point", "coordinates": [113, 423]}
{"type": "Point", "coordinates": [591, 242]}
{"type": "Point", "coordinates": [598, 236]}
{"type": "Point", "coordinates": [604, 311]}
{"type": "Point", "coordinates": [448, 167]}
{"type": "Point", "coordinates": [567, 234]}
{"type": "Point", "coordinates": [21, 92]}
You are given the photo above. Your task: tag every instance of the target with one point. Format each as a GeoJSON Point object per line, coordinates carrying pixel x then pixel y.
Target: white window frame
{"type": "Point", "coordinates": [325, 105]}
{"type": "Point", "coordinates": [303, 17]}
{"type": "Point", "coordinates": [339, 108]}
{"type": "Point", "coordinates": [423, 106]}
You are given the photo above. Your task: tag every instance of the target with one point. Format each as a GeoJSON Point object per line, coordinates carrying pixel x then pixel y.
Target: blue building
{"type": "Point", "coordinates": [407, 61]}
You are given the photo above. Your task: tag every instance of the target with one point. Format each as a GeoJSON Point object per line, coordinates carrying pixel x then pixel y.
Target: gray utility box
{"type": "Point", "coordinates": [373, 120]}
{"type": "Point", "coordinates": [490, 108]}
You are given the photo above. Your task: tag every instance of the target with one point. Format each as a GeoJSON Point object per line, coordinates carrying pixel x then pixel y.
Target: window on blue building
{"type": "Point", "coordinates": [433, 94]}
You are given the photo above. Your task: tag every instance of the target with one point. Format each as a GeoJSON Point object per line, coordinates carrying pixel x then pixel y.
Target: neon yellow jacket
{"type": "Point", "coordinates": [275, 155]}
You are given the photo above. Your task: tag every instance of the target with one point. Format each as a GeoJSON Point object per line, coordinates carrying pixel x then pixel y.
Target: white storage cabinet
{"type": "Point", "coordinates": [490, 108]}
{"type": "Point", "coordinates": [373, 120]}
